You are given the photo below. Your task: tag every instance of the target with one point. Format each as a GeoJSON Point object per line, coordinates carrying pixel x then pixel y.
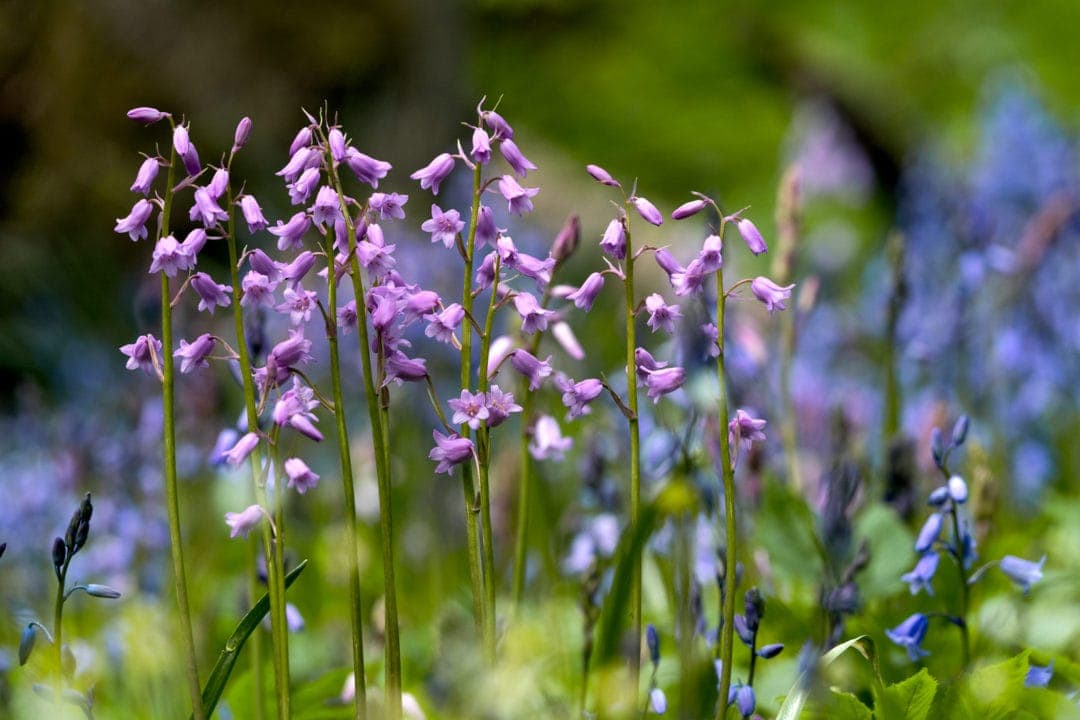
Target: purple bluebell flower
{"type": "Point", "coordinates": [253, 214]}
{"type": "Point", "coordinates": [770, 293]}
{"type": "Point", "coordinates": [206, 209]}
{"type": "Point", "coordinates": [194, 243]}
{"type": "Point", "coordinates": [191, 161]}
{"type": "Point", "coordinates": [383, 306]}
{"type": "Point", "coordinates": [601, 175]}
{"type": "Point", "coordinates": [661, 315]}
{"type": "Point", "coordinates": [298, 303]}
{"type": "Point", "coordinates": [303, 424]}
{"type": "Point", "coordinates": [586, 295]}
{"type": "Point", "coordinates": [533, 317]}
{"type": "Point", "coordinates": [301, 189]}
{"type": "Point", "coordinates": [567, 239]}
{"type": "Point", "coordinates": [181, 140]}
{"type": "Point", "coordinates": [958, 490]}
{"type": "Point", "coordinates": [1022, 572]}
{"type": "Point", "coordinates": [576, 396]}
{"type": "Point", "coordinates": [486, 230]}
{"type": "Point", "coordinates": [302, 139]}
{"type": "Point", "coordinates": [481, 146]}
{"type": "Point", "coordinates": [243, 447]}
{"type": "Point", "coordinates": [299, 161]}
{"type": "Point", "coordinates": [443, 226]}
{"type": "Point", "coordinates": [742, 696]}
{"type": "Point", "coordinates": [938, 496]}
{"type": "Point", "coordinates": [194, 354]}
{"type": "Point", "coordinates": [419, 304]}
{"type": "Point", "coordinates": [564, 335]}
{"type": "Point", "coordinates": [498, 124]}
{"type": "Point", "coordinates": [485, 274]}
{"type": "Point", "coordinates": [712, 334]}
{"type": "Point", "coordinates": [515, 159]}
{"type": "Point", "coordinates": [170, 257]}
{"type": "Point", "coordinates": [1039, 676]}
{"type": "Point", "coordinates": [290, 235]}
{"type": "Point", "coordinates": [241, 135]}
{"type": "Point", "coordinates": [290, 352]}
{"type": "Point", "coordinates": [929, 533]}
{"type": "Point", "coordinates": [300, 475]}
{"type": "Point", "coordinates": [374, 254]}
{"type": "Point", "coordinates": [647, 210]}
{"type": "Point", "coordinates": [218, 184]}
{"type": "Point", "coordinates": [500, 405]}
{"type": "Point", "coordinates": [366, 168]}
{"type": "Point", "coordinates": [667, 262]}
{"type": "Point", "coordinates": [441, 325]}
{"type": "Point", "coordinates": [401, 368]}
{"type": "Point", "coordinates": [295, 271]}
{"type": "Point", "coordinates": [547, 439]}
{"type": "Point", "coordinates": [146, 115]}
{"type": "Point", "coordinates": [922, 576]}
{"type": "Point", "coordinates": [211, 294]}
{"type": "Point", "coordinates": [744, 430]}
{"type": "Point", "coordinates": [614, 241]}
{"type": "Point", "coordinates": [501, 348]}
{"type": "Point", "coordinates": [910, 634]}
{"type": "Point", "coordinates": [752, 236]}
{"type": "Point", "coordinates": [690, 279]}
{"type": "Point", "coordinates": [519, 199]}
{"type": "Point", "coordinates": [390, 206]}
{"type": "Point", "coordinates": [336, 139]}
{"type": "Point", "coordinates": [347, 317]}
{"type": "Point", "coordinates": [144, 179]}
{"type": "Point", "coordinates": [531, 367]}
{"type": "Point", "coordinates": [298, 400]}
{"type": "Point", "coordinates": [645, 363]}
{"type": "Point", "coordinates": [225, 440]}
{"type": "Point", "coordinates": [469, 409]}
{"type": "Point", "coordinates": [143, 354]}
{"type": "Point", "coordinates": [664, 381]}
{"type": "Point", "coordinates": [327, 207]}
{"type": "Point", "coordinates": [432, 174]}
{"type": "Point", "coordinates": [657, 701]}
{"type": "Point", "coordinates": [688, 209]}
{"type": "Point", "coordinates": [258, 290]}
{"type": "Point", "coordinates": [449, 450]}
{"type": "Point", "coordinates": [243, 522]}
{"type": "Point", "coordinates": [711, 255]}
{"type": "Point", "coordinates": [768, 652]}
{"type": "Point", "coordinates": [134, 224]}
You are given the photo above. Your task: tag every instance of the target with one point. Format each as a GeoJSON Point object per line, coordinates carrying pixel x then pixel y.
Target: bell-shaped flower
{"type": "Point", "coordinates": [547, 439]}
{"type": "Point", "coordinates": [519, 199]}
{"type": "Point", "coordinates": [515, 159]}
{"type": "Point", "coordinates": [432, 174]}
{"type": "Point", "coordinates": [300, 475]}
{"type": "Point", "coordinates": [647, 210]}
{"type": "Point", "coordinates": [143, 354]}
{"type": "Point", "coordinates": [661, 315]}
{"type": "Point", "coordinates": [194, 354]}
{"type": "Point", "coordinates": [243, 522]}
{"type": "Point", "coordinates": [367, 169]}
{"type": "Point", "coordinates": [500, 405]}
{"type": "Point", "coordinates": [470, 409]}
{"type": "Point", "coordinates": [922, 576]}
{"type": "Point", "coordinates": [389, 206]}
{"type": "Point", "coordinates": [910, 634]}
{"type": "Point", "coordinates": [531, 367]}
{"type": "Point", "coordinates": [443, 226]}
{"type": "Point", "coordinates": [752, 236]}
{"type": "Point", "coordinates": [134, 224]}
{"type": "Point", "coordinates": [771, 294]}
{"type": "Point", "coordinates": [144, 179]}
{"type": "Point", "coordinates": [449, 450]}
{"type": "Point", "coordinates": [1022, 572]}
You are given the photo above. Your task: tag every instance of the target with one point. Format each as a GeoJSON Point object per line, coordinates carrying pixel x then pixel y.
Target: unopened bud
{"type": "Point", "coordinates": [568, 239]}
{"type": "Point", "coordinates": [652, 640]}
{"type": "Point", "coordinates": [243, 132]}
{"type": "Point", "coordinates": [59, 554]}
{"type": "Point", "coordinates": [770, 651]}
{"type": "Point", "coordinates": [959, 431]}
{"type": "Point", "coordinates": [937, 446]}
{"type": "Point", "coordinates": [26, 643]}
{"type": "Point", "coordinates": [743, 630]}
{"type": "Point", "coordinates": [102, 591]}
{"type": "Point", "coordinates": [755, 608]}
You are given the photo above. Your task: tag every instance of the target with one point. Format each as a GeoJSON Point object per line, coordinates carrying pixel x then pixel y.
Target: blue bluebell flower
{"type": "Point", "coordinates": [931, 529]}
{"type": "Point", "coordinates": [1022, 572]}
{"type": "Point", "coordinates": [1039, 676]}
{"type": "Point", "coordinates": [909, 635]}
{"type": "Point", "coordinates": [922, 575]}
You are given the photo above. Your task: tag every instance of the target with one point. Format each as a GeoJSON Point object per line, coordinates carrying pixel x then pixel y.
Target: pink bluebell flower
{"type": "Point", "coordinates": [338, 146]}
{"type": "Point", "coordinates": [302, 139]}
{"type": "Point", "coordinates": [299, 161]}
{"type": "Point", "coordinates": [485, 274]}
{"type": "Point", "coordinates": [144, 179]}
{"type": "Point", "coordinates": [486, 230]}
{"type": "Point", "coordinates": [668, 263]}
{"type": "Point", "coordinates": [143, 354]}
{"type": "Point", "coordinates": [390, 206]}
{"type": "Point", "coordinates": [519, 199]}
{"type": "Point", "coordinates": [498, 124]}
{"type": "Point", "coordinates": [347, 317]}
{"type": "Point", "coordinates": [400, 368]}
{"type": "Point", "coordinates": [194, 243]}
{"type": "Point", "coordinates": [449, 450]}
{"type": "Point", "coordinates": [300, 475]}
{"type": "Point", "coordinates": [514, 158]}
{"type": "Point", "coordinates": [469, 409]}
{"type": "Point", "coordinates": [258, 290]}
{"type": "Point", "coordinates": [443, 226]}
{"type": "Point", "coordinates": [661, 315]}
{"type": "Point", "coordinates": [645, 363]}
{"type": "Point", "coordinates": [194, 354]}
{"type": "Point", "coordinates": [690, 279]}
{"type": "Point", "coordinates": [295, 271]}
{"type": "Point", "coordinates": [432, 174]}
{"type": "Point", "coordinates": [243, 522]}
{"type": "Point", "coordinates": [771, 294]}
{"type": "Point", "coordinates": [134, 224]}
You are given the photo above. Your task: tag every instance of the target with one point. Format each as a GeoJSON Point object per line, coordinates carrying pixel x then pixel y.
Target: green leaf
{"type": "Point", "coordinates": [840, 706]}
{"type": "Point", "coordinates": [891, 553]}
{"type": "Point", "coordinates": [907, 700]}
{"type": "Point", "coordinates": [800, 691]}
{"type": "Point", "coordinates": [787, 530]}
{"type": "Point", "coordinates": [215, 684]}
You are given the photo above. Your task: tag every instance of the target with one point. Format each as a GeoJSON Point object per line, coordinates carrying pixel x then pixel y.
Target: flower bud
{"type": "Point", "coordinates": [938, 496]}
{"type": "Point", "coordinates": [743, 630]}
{"type": "Point", "coordinates": [601, 175]}
{"type": "Point", "coordinates": [958, 490]}
{"type": "Point", "coordinates": [243, 132]}
{"type": "Point", "coordinates": [770, 651]}
{"type": "Point", "coordinates": [647, 210]}
{"type": "Point", "coordinates": [652, 641]}
{"type": "Point", "coordinates": [146, 115]}
{"type": "Point", "coordinates": [959, 431]}
{"type": "Point", "coordinates": [102, 591]}
{"type": "Point", "coordinates": [59, 555]}
{"type": "Point", "coordinates": [568, 239]}
{"type": "Point", "coordinates": [755, 608]}
{"type": "Point", "coordinates": [26, 643]}
{"type": "Point", "coordinates": [937, 446]}
{"type": "Point", "coordinates": [752, 236]}
{"type": "Point", "coordinates": [658, 701]}
{"type": "Point", "coordinates": [688, 209]}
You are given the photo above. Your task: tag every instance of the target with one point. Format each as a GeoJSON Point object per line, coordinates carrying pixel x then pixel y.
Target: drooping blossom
{"type": "Point", "coordinates": [547, 439]}
{"type": "Point", "coordinates": [486, 230]}
{"type": "Point", "coordinates": [601, 175]}
{"type": "Point", "coordinates": [688, 209]}
{"type": "Point", "coordinates": [374, 254]}
{"type": "Point", "coordinates": [443, 226]}
{"type": "Point", "coordinates": [211, 294]}
{"type": "Point", "coordinates": [689, 280]}
{"type": "Point", "coordinates": [336, 139]}
{"type": "Point", "coordinates": [500, 405]}
{"type": "Point", "coordinates": [910, 634]}
{"type": "Point", "coordinates": [253, 214]}
{"type": "Point", "coordinates": [469, 408]}
{"type": "Point", "coordinates": [576, 396]}
{"type": "Point", "coordinates": [752, 236]}
{"type": "Point", "coordinates": [664, 381]}
{"type": "Point", "coordinates": [485, 274]}
{"type": "Point", "coordinates": [347, 317]}
{"type": "Point", "coordinates": [531, 367]}
{"type": "Point", "coordinates": [206, 209]}
{"type": "Point", "coordinates": [498, 123]}
{"type": "Point", "coordinates": [564, 335]}
{"type": "Point", "coordinates": [300, 190]}
{"type": "Point", "coordinates": [144, 179]}
{"type": "Point", "coordinates": [957, 488]}
{"type": "Point", "coordinates": [301, 140]}
{"type": "Point", "coordinates": [143, 354]}
{"type": "Point", "coordinates": [586, 295]}
{"type": "Point", "coordinates": [668, 263]}
{"type": "Point", "coordinates": [481, 146]}
{"type": "Point", "coordinates": [519, 199]}
{"type": "Point", "coordinates": [297, 400]}
{"type": "Point", "coordinates": [432, 174]}
{"type": "Point", "coordinates": [713, 336]}
{"type": "Point", "coordinates": [389, 206]}
{"type": "Point", "coordinates": [218, 184]}
{"type": "Point", "coordinates": [194, 354]}
{"type": "Point", "coordinates": [449, 450]}
{"type": "Point", "coordinates": [711, 255]}
{"type": "Point", "coordinates": [929, 533]}
{"type": "Point", "coordinates": [614, 241]}
{"type": "Point", "coordinates": [441, 325]}
{"type": "Point", "coordinates": [744, 430]}
{"type": "Point", "coordinates": [241, 135]}
{"type": "Point", "coordinates": [401, 368]}
{"type": "Point", "coordinates": [170, 257]}
{"type": "Point", "coordinates": [327, 207]}
{"type": "Point", "coordinates": [243, 522]}
{"type": "Point", "coordinates": [299, 161]}
{"type": "Point", "coordinates": [515, 158]}
{"type": "Point", "coordinates": [367, 169]}
{"type": "Point", "coordinates": [193, 243]}
{"type": "Point", "coordinates": [300, 475]}
{"type": "Point", "coordinates": [922, 576]}
{"type": "Point", "coordinates": [290, 235]}
{"type": "Point", "coordinates": [647, 210]}
{"type": "Point", "coordinates": [298, 303]}
{"type": "Point", "coordinates": [258, 290]}
{"type": "Point", "coordinates": [134, 224]}
{"type": "Point", "coordinates": [742, 697]}
{"type": "Point", "coordinates": [146, 115]}
{"type": "Point", "coordinates": [295, 271]}
{"type": "Point", "coordinates": [533, 317]}
{"type": "Point", "coordinates": [243, 447]}
{"type": "Point", "coordinates": [290, 352]}
{"type": "Point", "coordinates": [1022, 572]}
{"type": "Point", "coordinates": [770, 293]}
{"type": "Point", "coordinates": [645, 363]}
{"type": "Point", "coordinates": [661, 315]}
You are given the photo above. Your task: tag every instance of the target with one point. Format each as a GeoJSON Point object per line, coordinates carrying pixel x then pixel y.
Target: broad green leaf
{"type": "Point", "coordinates": [800, 691]}
{"type": "Point", "coordinates": [891, 553]}
{"type": "Point", "coordinates": [786, 528]}
{"type": "Point", "coordinates": [907, 700]}
{"type": "Point", "coordinates": [840, 706]}
{"type": "Point", "coordinates": [215, 683]}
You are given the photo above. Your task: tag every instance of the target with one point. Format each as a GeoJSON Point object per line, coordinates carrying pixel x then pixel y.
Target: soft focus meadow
{"type": "Point", "coordinates": [539, 360]}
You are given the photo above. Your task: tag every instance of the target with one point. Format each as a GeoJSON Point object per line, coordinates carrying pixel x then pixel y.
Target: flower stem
{"type": "Point", "coordinates": [172, 502]}
{"type": "Point", "coordinates": [524, 494]}
{"type": "Point", "coordinates": [635, 457]}
{"type": "Point", "coordinates": [965, 590]}
{"type": "Point", "coordinates": [484, 441]}
{"type": "Point", "coordinates": [727, 625]}
{"type": "Point", "coordinates": [277, 581]}
{"type": "Point", "coordinates": [58, 627]}
{"type": "Point", "coordinates": [278, 635]}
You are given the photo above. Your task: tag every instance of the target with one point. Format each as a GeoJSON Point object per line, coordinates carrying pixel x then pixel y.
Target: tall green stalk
{"type": "Point", "coordinates": [524, 496]}
{"type": "Point", "coordinates": [727, 627]}
{"type": "Point", "coordinates": [172, 502]}
{"type": "Point", "coordinates": [484, 441]}
{"type": "Point", "coordinates": [635, 453]}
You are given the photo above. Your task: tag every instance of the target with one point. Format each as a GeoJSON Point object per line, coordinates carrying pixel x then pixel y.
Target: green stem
{"type": "Point", "coordinates": [484, 441]}
{"type": "Point", "coordinates": [965, 589]}
{"type": "Point", "coordinates": [256, 638]}
{"type": "Point", "coordinates": [277, 580]}
{"type": "Point", "coordinates": [172, 502]}
{"type": "Point", "coordinates": [386, 534]}
{"type": "Point", "coordinates": [524, 495]}
{"type": "Point", "coordinates": [727, 627]}
{"type": "Point", "coordinates": [635, 455]}
{"type": "Point", "coordinates": [278, 633]}
{"type": "Point", "coordinates": [58, 626]}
